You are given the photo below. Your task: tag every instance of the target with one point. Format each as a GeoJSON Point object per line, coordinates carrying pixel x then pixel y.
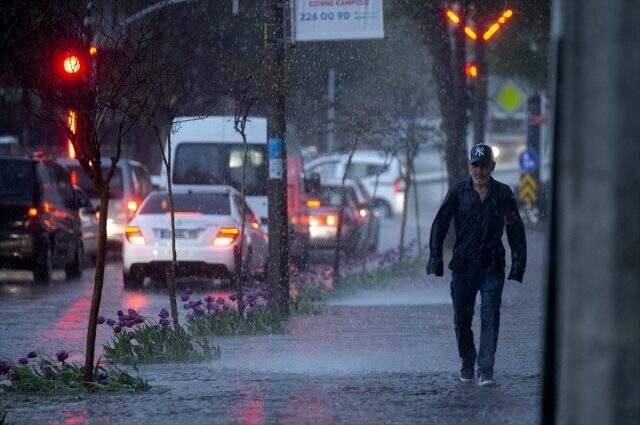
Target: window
{"type": "Point", "coordinates": [192, 202]}
{"type": "Point", "coordinates": [359, 170]}
{"type": "Point", "coordinates": [326, 170]}
{"type": "Point", "coordinates": [222, 163]}
{"type": "Point", "coordinates": [144, 180]}
{"type": "Point", "coordinates": [17, 180]}
{"type": "Point", "coordinates": [86, 184]}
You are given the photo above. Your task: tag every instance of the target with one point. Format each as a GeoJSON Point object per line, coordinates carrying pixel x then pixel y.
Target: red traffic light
{"type": "Point", "coordinates": [71, 65]}
{"type": "Point", "coordinates": [471, 70]}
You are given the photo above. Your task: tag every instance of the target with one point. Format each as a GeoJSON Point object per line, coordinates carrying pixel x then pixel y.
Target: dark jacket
{"type": "Point", "coordinates": [479, 226]}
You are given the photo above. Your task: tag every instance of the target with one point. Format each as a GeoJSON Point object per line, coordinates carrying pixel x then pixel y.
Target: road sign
{"type": "Point", "coordinates": [529, 161]}
{"type": "Point", "coordinates": [320, 20]}
{"type": "Point", "coordinates": [528, 189]}
{"type": "Point", "coordinates": [510, 97]}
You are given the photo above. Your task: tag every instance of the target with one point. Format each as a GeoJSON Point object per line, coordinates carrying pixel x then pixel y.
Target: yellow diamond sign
{"type": "Point", "coordinates": [510, 97]}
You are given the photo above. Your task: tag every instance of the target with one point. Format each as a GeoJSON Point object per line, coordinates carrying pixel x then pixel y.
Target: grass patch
{"type": "Point", "coordinates": [260, 321]}
{"type": "Point", "coordinates": [49, 377]}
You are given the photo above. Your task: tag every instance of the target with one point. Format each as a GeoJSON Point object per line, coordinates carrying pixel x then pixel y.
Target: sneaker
{"type": "Point", "coordinates": [485, 379]}
{"type": "Point", "coordinates": [466, 375]}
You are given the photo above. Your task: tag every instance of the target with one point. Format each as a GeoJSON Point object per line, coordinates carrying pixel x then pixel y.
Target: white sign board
{"type": "Point", "coordinates": [319, 20]}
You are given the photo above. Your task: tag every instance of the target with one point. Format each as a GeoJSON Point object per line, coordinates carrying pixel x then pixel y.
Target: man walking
{"type": "Point", "coordinates": [480, 207]}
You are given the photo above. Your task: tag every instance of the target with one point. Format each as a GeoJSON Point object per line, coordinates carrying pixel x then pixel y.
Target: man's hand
{"type": "Point", "coordinates": [435, 266]}
{"type": "Point", "coordinates": [516, 275]}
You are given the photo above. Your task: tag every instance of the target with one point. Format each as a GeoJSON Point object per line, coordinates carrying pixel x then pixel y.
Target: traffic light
{"type": "Point", "coordinates": [471, 70]}
{"type": "Point", "coordinates": [72, 66]}
{"type": "Point", "coordinates": [489, 32]}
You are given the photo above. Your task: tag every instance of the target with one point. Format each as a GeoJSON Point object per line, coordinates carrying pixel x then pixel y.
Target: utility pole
{"type": "Point", "coordinates": [480, 92]}
{"type": "Point", "coordinates": [331, 114]}
{"type": "Point", "coordinates": [275, 46]}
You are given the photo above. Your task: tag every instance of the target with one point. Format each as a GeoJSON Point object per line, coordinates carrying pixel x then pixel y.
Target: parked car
{"type": "Point", "coordinates": [129, 186]}
{"type": "Point", "coordinates": [207, 224]}
{"type": "Point", "coordinates": [324, 215]}
{"type": "Point", "coordinates": [9, 146]}
{"type": "Point", "coordinates": [369, 216]}
{"type": "Point", "coordinates": [40, 227]}
{"type": "Point", "coordinates": [367, 166]}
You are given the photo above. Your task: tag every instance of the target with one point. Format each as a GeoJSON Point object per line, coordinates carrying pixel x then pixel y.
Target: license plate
{"type": "Point", "coordinates": [180, 234]}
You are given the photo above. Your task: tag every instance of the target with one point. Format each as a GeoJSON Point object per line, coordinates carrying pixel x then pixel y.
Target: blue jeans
{"type": "Point", "coordinates": [464, 288]}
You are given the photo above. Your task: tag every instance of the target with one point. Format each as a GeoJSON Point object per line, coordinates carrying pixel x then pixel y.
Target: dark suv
{"type": "Point", "coordinates": [39, 222]}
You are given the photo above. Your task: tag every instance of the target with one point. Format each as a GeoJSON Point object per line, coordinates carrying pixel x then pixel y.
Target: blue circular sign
{"type": "Point", "coordinates": [529, 160]}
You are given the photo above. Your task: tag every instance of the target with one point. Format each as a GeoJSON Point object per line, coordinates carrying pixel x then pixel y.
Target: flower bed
{"type": "Point", "coordinates": [148, 341]}
{"type": "Point", "coordinates": [36, 373]}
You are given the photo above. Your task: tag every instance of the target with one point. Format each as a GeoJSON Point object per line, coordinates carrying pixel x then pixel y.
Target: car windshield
{"type": "Point", "coordinates": [222, 163]}
{"type": "Point", "coordinates": [192, 202]}
{"type": "Point", "coordinates": [17, 180]}
{"type": "Point", "coordinates": [332, 195]}
{"type": "Point", "coordinates": [80, 178]}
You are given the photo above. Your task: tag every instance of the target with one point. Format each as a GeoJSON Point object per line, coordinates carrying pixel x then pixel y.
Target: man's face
{"type": "Point", "coordinates": [481, 172]}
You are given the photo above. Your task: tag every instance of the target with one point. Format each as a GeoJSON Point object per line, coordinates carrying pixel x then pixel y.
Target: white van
{"type": "Point", "coordinates": [365, 166]}
{"type": "Point", "coordinates": [209, 151]}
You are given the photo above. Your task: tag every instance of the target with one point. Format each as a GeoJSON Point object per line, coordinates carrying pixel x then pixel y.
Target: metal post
{"type": "Point", "coordinates": [278, 272]}
{"type": "Point", "coordinates": [533, 129]}
{"type": "Point", "coordinates": [480, 93]}
{"type": "Point", "coordinates": [331, 115]}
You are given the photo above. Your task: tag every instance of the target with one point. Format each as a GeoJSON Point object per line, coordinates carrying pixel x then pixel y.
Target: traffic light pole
{"type": "Point", "coordinates": [278, 269]}
{"type": "Point", "coordinates": [480, 93]}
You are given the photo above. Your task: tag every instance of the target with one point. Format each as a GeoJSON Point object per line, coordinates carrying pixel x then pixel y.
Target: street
{"type": "Point", "coordinates": [379, 356]}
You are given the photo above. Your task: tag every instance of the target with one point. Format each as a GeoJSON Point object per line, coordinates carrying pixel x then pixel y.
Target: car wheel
{"type": "Point", "coordinates": [74, 269]}
{"type": "Point", "coordinates": [132, 280]}
{"type": "Point", "coordinates": [384, 207]}
{"type": "Point", "coordinates": [43, 269]}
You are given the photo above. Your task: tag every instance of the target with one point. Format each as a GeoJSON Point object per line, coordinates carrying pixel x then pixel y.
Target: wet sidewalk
{"type": "Point", "coordinates": [380, 356]}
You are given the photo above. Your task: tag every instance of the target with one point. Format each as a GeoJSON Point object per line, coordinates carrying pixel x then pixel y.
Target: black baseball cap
{"type": "Point", "coordinates": [481, 153]}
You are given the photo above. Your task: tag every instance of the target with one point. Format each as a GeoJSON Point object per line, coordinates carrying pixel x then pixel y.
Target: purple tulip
{"type": "Point", "coordinates": [125, 318]}
{"type": "Point", "coordinates": [111, 322]}
{"type": "Point", "coordinates": [186, 306]}
{"type": "Point", "coordinates": [220, 300]}
{"type": "Point", "coordinates": [233, 297]}
{"type": "Point", "coordinates": [138, 320]}
{"type": "Point", "coordinates": [184, 297]}
{"type": "Point", "coordinates": [165, 322]}
{"type": "Point", "coordinates": [225, 307]}
{"type": "Point", "coordinates": [250, 314]}
{"type": "Point", "coordinates": [102, 377]}
{"type": "Point", "coordinates": [23, 361]}
{"type": "Point", "coordinates": [132, 312]}
{"type": "Point", "coordinates": [101, 320]}
{"type": "Point", "coordinates": [129, 323]}
{"type": "Point", "coordinates": [32, 355]}
{"type": "Point", "coordinates": [120, 313]}
{"type": "Point", "coordinates": [163, 314]}
{"type": "Point", "coordinates": [188, 291]}
{"type": "Point", "coordinates": [4, 367]}
{"type": "Point", "coordinates": [198, 312]}
{"type": "Point", "coordinates": [117, 329]}
{"type": "Point", "coordinates": [209, 299]}
{"type": "Point", "coordinates": [62, 356]}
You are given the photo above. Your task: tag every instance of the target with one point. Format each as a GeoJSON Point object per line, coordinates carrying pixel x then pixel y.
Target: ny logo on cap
{"type": "Point", "coordinates": [479, 151]}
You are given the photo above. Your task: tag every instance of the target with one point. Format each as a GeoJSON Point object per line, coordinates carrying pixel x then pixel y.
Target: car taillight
{"type": "Point", "coordinates": [134, 235]}
{"type": "Point", "coordinates": [132, 207]}
{"type": "Point", "coordinates": [226, 236]}
{"type": "Point", "coordinates": [397, 185]}
{"type": "Point", "coordinates": [254, 221]}
{"type": "Point", "coordinates": [364, 213]}
{"type": "Point", "coordinates": [323, 220]}
{"type": "Point", "coordinates": [32, 212]}
{"type": "Point", "coordinates": [313, 203]}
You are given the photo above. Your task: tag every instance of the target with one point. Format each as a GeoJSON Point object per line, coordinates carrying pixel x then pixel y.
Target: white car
{"type": "Point", "coordinates": [366, 166]}
{"type": "Point", "coordinates": [207, 222]}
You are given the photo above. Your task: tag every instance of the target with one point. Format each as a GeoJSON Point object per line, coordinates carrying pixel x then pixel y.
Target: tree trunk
{"type": "Point", "coordinates": [98, 284]}
{"type": "Point", "coordinates": [416, 201]}
{"type": "Point", "coordinates": [448, 71]}
{"type": "Point", "coordinates": [405, 207]}
{"type": "Point", "coordinates": [343, 201]}
{"type": "Point", "coordinates": [171, 278]}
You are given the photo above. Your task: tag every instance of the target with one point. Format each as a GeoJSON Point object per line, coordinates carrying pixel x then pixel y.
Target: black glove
{"type": "Point", "coordinates": [516, 275]}
{"type": "Point", "coordinates": [435, 266]}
